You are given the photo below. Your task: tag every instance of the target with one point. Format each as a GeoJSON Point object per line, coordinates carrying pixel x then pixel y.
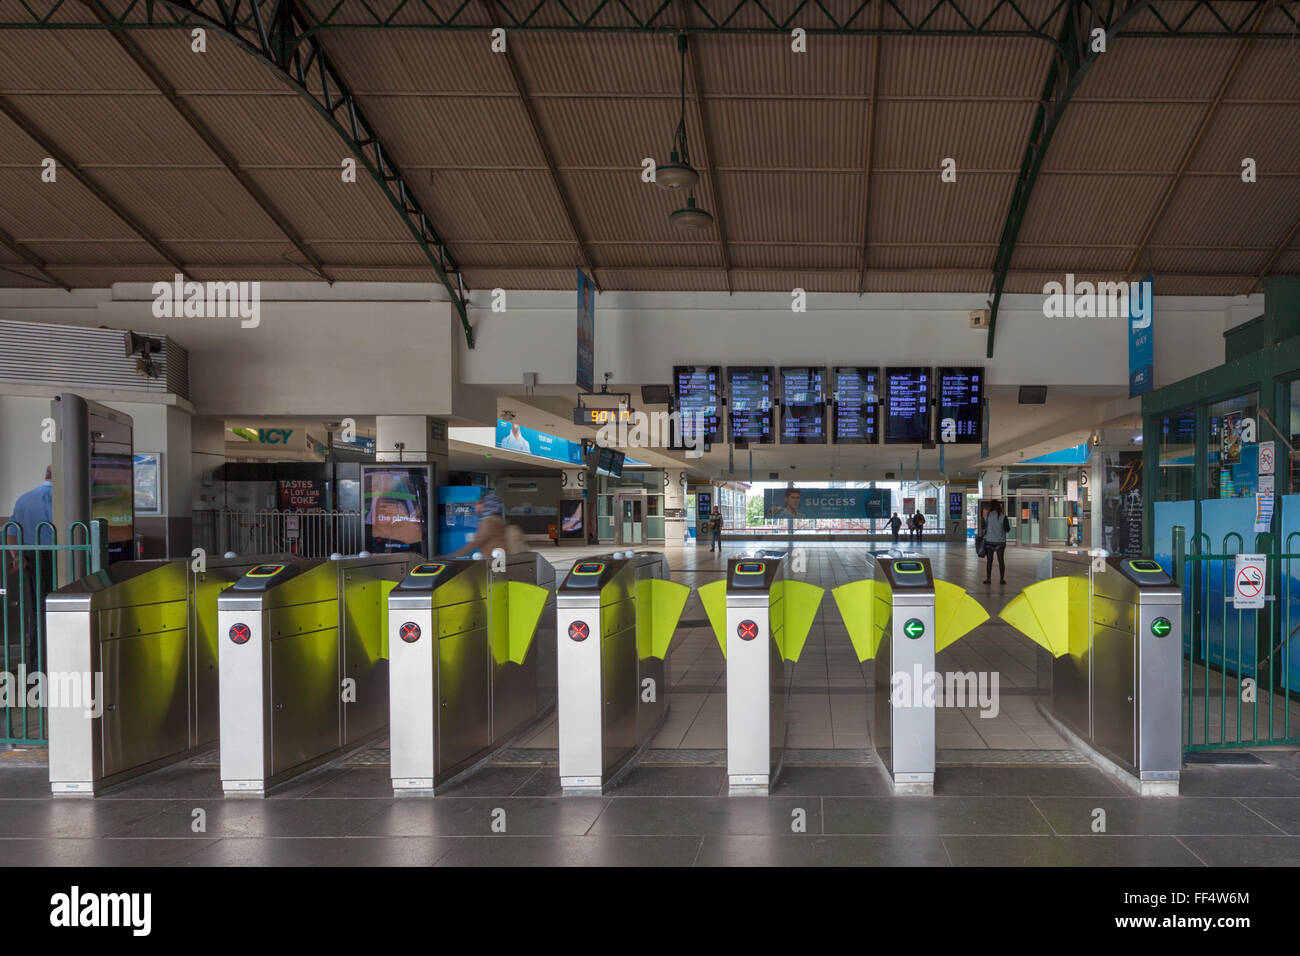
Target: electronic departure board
{"type": "Point", "coordinates": [907, 406]}
{"type": "Point", "coordinates": [961, 398]}
{"type": "Point", "coordinates": [857, 400]}
{"type": "Point", "coordinates": [697, 393]}
{"type": "Point", "coordinates": [803, 401]}
{"type": "Point", "coordinates": [750, 410]}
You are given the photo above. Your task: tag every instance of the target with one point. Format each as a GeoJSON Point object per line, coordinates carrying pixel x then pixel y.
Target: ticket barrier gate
{"type": "Point", "coordinates": [901, 618]}
{"type": "Point", "coordinates": [615, 618]}
{"type": "Point", "coordinates": [1110, 668]}
{"type": "Point", "coordinates": [131, 669]}
{"type": "Point", "coordinates": [303, 678]}
{"type": "Point", "coordinates": [761, 620]}
{"type": "Point", "coordinates": [466, 672]}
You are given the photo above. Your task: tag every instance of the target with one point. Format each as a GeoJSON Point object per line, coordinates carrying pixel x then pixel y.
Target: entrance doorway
{"type": "Point", "coordinates": [630, 520]}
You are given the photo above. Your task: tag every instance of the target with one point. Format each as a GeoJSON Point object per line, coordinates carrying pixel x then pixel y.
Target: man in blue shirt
{"type": "Point", "coordinates": [30, 510]}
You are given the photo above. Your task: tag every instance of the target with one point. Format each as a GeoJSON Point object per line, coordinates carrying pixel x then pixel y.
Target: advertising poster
{"type": "Point", "coordinates": [306, 494]}
{"type": "Point", "coordinates": [586, 333]}
{"type": "Point", "coordinates": [514, 437]}
{"type": "Point", "coordinates": [395, 503]}
{"type": "Point", "coordinates": [1121, 502]}
{"type": "Point", "coordinates": [825, 503]}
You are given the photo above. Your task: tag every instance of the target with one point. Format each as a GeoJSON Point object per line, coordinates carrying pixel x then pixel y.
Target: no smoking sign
{"type": "Point", "coordinates": [1248, 582]}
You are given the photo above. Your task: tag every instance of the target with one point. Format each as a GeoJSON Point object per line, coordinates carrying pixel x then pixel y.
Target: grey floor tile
{"type": "Point", "coordinates": [670, 782]}
{"type": "Point", "coordinates": [490, 781]}
{"type": "Point", "coordinates": [99, 852]}
{"type": "Point", "coordinates": [902, 816]}
{"type": "Point", "coordinates": [1245, 850]}
{"type": "Point", "coordinates": [247, 817]}
{"type": "Point", "coordinates": [1023, 781]}
{"type": "Point", "coordinates": [812, 850]}
{"type": "Point", "coordinates": [358, 782]}
{"type": "Point", "coordinates": [74, 817]}
{"type": "Point", "coordinates": [307, 851]}
{"type": "Point", "coordinates": [24, 783]}
{"type": "Point", "coordinates": [708, 815]}
{"type": "Point", "coordinates": [1282, 812]}
{"type": "Point", "coordinates": [840, 781]}
{"type": "Point", "coordinates": [171, 783]}
{"type": "Point", "coordinates": [452, 816]}
{"type": "Point", "coordinates": [1238, 782]}
{"type": "Point", "coordinates": [1126, 815]}
{"type": "Point", "coordinates": [573, 851]}
{"type": "Point", "coordinates": [1094, 850]}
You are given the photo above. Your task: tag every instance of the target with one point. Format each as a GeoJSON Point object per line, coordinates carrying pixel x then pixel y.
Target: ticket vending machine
{"type": "Point", "coordinates": [303, 677]}
{"type": "Point", "coordinates": [615, 618]}
{"type": "Point", "coordinates": [901, 617]}
{"type": "Point", "coordinates": [469, 663]}
{"type": "Point", "coordinates": [761, 619]}
{"type": "Point", "coordinates": [1110, 629]}
{"type": "Point", "coordinates": [137, 643]}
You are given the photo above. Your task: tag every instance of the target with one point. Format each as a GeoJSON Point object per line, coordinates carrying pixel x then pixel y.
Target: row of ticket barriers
{"type": "Point", "coordinates": [286, 664]}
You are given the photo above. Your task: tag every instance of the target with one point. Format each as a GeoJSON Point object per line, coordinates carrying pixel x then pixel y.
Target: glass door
{"type": "Point", "coordinates": [630, 527]}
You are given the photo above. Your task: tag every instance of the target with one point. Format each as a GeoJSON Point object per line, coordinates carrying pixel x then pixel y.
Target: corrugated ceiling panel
{"type": "Point", "coordinates": [931, 257]}
{"type": "Point", "coordinates": [484, 254]}
{"type": "Point", "coordinates": [1208, 261]}
{"type": "Point", "coordinates": [1288, 264]}
{"type": "Point", "coordinates": [789, 134]}
{"type": "Point", "coordinates": [617, 206]}
{"type": "Point", "coordinates": [601, 63]}
{"type": "Point", "coordinates": [794, 256]}
{"type": "Point", "coordinates": [424, 276]}
{"type": "Point", "coordinates": [446, 132]}
{"type": "Point", "coordinates": [784, 282]}
{"type": "Point", "coordinates": [655, 256]}
{"type": "Point", "coordinates": [975, 282]}
{"type": "Point", "coordinates": [223, 67]}
{"type": "Point", "coordinates": [423, 61]}
{"type": "Point", "coordinates": [395, 253]}
{"type": "Point", "coordinates": [666, 280]}
{"type": "Point", "coordinates": [135, 129]}
{"type": "Point", "coordinates": [950, 67]}
{"type": "Point", "coordinates": [793, 207]}
{"type": "Point", "coordinates": [1102, 209]}
{"type": "Point", "coordinates": [1144, 70]}
{"type": "Point", "coordinates": [188, 203]}
{"type": "Point", "coordinates": [35, 61]}
{"type": "Point", "coordinates": [1268, 134]}
{"type": "Point", "coordinates": [63, 209]}
{"type": "Point", "coordinates": [521, 279]}
{"type": "Point", "coordinates": [1222, 210]}
{"type": "Point", "coordinates": [103, 277]}
{"type": "Point", "coordinates": [1269, 70]}
{"type": "Point", "coordinates": [920, 208]}
{"type": "Point", "coordinates": [1124, 137]}
{"type": "Point", "coordinates": [107, 253]}
{"type": "Point", "coordinates": [615, 133]}
{"type": "Point", "coordinates": [270, 130]}
{"type": "Point", "coordinates": [492, 204]}
{"type": "Point", "coordinates": [756, 65]}
{"type": "Point", "coordinates": [322, 206]}
{"type": "Point", "coordinates": [918, 135]}
{"type": "Point", "coordinates": [1062, 260]}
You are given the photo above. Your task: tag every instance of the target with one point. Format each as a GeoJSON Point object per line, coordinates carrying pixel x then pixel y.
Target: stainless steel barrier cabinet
{"type": "Point", "coordinates": [758, 677]}
{"type": "Point", "coordinates": [901, 617]}
{"type": "Point", "coordinates": [615, 617]}
{"type": "Point", "coordinates": [303, 676]}
{"type": "Point", "coordinates": [1110, 668]}
{"type": "Point", "coordinates": [468, 668]}
{"type": "Point", "coordinates": [131, 669]}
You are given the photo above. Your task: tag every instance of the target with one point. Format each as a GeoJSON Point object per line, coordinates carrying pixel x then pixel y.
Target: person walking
{"type": "Point", "coordinates": [715, 531]}
{"type": "Point", "coordinates": [491, 531]}
{"type": "Point", "coordinates": [994, 527]}
{"type": "Point", "coordinates": [31, 512]}
{"type": "Point", "coordinates": [895, 525]}
{"type": "Point", "coordinates": [918, 523]}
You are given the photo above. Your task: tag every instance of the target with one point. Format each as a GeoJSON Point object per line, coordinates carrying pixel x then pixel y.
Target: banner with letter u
{"type": "Point", "coordinates": [1141, 347]}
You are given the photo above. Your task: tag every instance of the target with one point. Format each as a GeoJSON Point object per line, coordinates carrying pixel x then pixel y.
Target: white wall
{"type": "Point", "coordinates": [23, 455]}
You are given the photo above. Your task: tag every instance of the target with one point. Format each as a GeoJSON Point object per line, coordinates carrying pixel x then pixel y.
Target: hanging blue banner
{"type": "Point", "coordinates": [1141, 347]}
{"type": "Point", "coordinates": [586, 374]}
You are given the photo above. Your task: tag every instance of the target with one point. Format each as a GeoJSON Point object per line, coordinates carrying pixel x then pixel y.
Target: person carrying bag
{"type": "Point", "coordinates": [993, 529]}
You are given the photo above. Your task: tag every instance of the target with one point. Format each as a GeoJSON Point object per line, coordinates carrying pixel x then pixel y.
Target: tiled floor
{"type": "Point", "coordinates": [828, 807]}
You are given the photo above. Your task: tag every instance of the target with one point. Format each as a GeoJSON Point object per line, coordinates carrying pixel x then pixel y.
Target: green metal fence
{"type": "Point", "coordinates": [1241, 681]}
{"type": "Point", "coordinates": [28, 572]}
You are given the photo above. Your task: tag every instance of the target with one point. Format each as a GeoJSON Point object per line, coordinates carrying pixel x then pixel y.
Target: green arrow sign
{"type": "Point", "coordinates": [1160, 626]}
{"type": "Point", "coordinates": [913, 628]}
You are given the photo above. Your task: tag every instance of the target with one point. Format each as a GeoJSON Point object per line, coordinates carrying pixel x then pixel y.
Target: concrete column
{"type": "Point", "coordinates": [675, 501]}
{"type": "Point", "coordinates": [423, 439]}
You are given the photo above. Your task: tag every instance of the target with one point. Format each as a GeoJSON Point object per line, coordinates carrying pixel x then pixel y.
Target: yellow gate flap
{"type": "Point", "coordinates": [855, 602]}
{"type": "Point", "coordinates": [384, 588]}
{"type": "Point", "coordinates": [714, 598]}
{"type": "Point", "coordinates": [1050, 613]}
{"type": "Point", "coordinates": [516, 609]}
{"type": "Point", "coordinates": [659, 604]}
{"type": "Point", "coordinates": [799, 603]}
{"type": "Point", "coordinates": [956, 614]}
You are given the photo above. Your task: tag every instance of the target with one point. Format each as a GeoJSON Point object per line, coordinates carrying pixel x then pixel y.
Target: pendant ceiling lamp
{"type": "Point", "coordinates": [691, 216]}
{"type": "Point", "coordinates": [678, 173]}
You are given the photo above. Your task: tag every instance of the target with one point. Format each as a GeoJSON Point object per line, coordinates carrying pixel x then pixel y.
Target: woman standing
{"type": "Point", "coordinates": [994, 527]}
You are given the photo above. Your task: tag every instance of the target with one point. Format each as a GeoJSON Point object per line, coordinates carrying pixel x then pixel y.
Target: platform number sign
{"type": "Point", "coordinates": [1248, 582]}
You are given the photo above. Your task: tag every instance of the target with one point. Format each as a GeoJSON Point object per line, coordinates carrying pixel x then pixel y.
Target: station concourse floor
{"type": "Point", "coordinates": [1008, 791]}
